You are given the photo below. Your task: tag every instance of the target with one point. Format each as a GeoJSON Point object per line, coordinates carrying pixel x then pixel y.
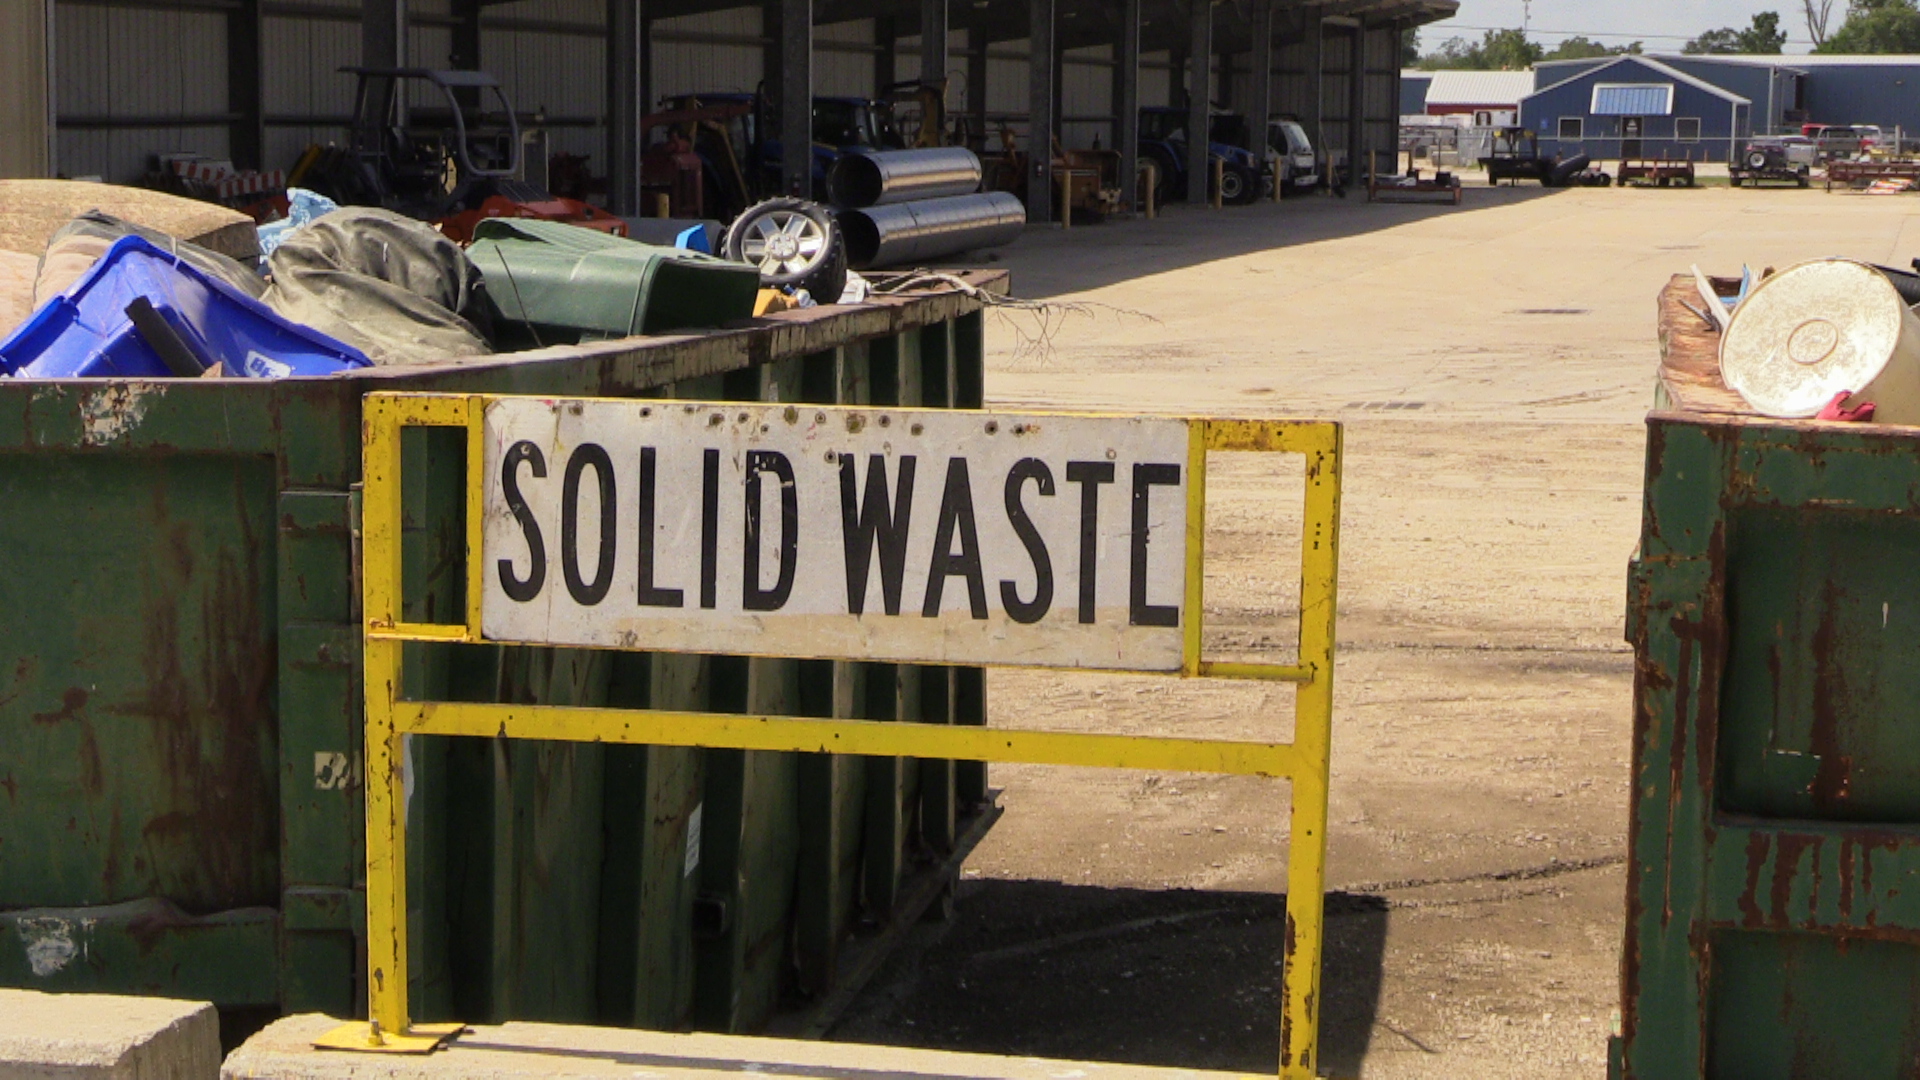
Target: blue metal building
{"type": "Point", "coordinates": [1787, 91]}
{"type": "Point", "coordinates": [1636, 107]}
{"type": "Point", "coordinates": [1413, 92]}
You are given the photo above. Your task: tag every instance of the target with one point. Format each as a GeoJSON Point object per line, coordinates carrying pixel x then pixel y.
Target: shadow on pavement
{"type": "Point", "coordinates": [1175, 978]}
{"type": "Point", "coordinates": [1050, 262]}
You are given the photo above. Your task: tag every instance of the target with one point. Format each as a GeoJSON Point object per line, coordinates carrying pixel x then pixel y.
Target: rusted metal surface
{"type": "Point", "coordinates": [1862, 173]}
{"type": "Point", "coordinates": [180, 688]}
{"type": "Point", "coordinates": [1772, 930]}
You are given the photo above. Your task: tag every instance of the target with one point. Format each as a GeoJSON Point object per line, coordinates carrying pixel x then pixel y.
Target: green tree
{"type": "Point", "coordinates": [1580, 48]}
{"type": "Point", "coordinates": [1409, 47]}
{"type": "Point", "coordinates": [1498, 50]}
{"type": "Point", "coordinates": [1714, 42]}
{"type": "Point", "coordinates": [1509, 50]}
{"type": "Point", "coordinates": [1453, 54]}
{"type": "Point", "coordinates": [1877, 26]}
{"type": "Point", "coordinates": [1763, 38]}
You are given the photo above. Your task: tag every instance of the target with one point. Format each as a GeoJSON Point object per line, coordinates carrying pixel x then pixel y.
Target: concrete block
{"type": "Point", "coordinates": [106, 1037]}
{"type": "Point", "coordinates": [517, 1051]}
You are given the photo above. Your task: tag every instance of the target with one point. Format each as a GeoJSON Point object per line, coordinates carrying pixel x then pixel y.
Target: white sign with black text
{"type": "Point", "coordinates": [832, 532]}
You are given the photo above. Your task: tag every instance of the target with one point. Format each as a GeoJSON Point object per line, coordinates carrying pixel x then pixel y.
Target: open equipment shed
{"type": "Point", "coordinates": [100, 86]}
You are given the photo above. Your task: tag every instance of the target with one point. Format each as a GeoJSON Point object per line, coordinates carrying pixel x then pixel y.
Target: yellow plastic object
{"type": "Point", "coordinates": [389, 719]}
{"type": "Point", "coordinates": [770, 301]}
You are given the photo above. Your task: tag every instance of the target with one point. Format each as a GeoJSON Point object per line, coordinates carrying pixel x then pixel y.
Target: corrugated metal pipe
{"type": "Point", "coordinates": [863, 178]}
{"type": "Point", "coordinates": [918, 232]}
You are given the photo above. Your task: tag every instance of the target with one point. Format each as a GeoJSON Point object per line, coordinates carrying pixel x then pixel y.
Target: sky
{"type": "Point", "coordinates": [1665, 25]}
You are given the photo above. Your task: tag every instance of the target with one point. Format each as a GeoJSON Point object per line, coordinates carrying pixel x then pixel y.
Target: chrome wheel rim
{"type": "Point", "coordinates": [783, 242]}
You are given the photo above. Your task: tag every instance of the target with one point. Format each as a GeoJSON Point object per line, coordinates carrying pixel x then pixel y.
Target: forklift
{"type": "Point", "coordinates": [455, 162]}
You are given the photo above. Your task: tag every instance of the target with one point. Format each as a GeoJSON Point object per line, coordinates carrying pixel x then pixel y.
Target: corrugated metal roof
{"type": "Point", "coordinates": [1640, 99]}
{"type": "Point", "coordinates": [1479, 87]}
{"type": "Point", "coordinates": [1803, 60]}
{"type": "Point", "coordinates": [1654, 67]}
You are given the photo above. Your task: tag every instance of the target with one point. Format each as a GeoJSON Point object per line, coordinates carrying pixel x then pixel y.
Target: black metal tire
{"type": "Point", "coordinates": [1757, 160]}
{"type": "Point", "coordinates": [795, 243]}
{"type": "Point", "coordinates": [1237, 186]}
{"type": "Point", "coordinates": [1165, 187]}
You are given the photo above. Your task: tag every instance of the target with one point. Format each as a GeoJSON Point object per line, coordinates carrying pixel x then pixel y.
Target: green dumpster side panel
{"type": "Point", "coordinates": [139, 725]}
{"type": "Point", "coordinates": [143, 947]}
{"type": "Point", "coordinates": [1804, 739]}
{"type": "Point", "coordinates": [197, 580]}
{"type": "Point", "coordinates": [1869, 988]}
{"type": "Point", "coordinates": [1772, 930]}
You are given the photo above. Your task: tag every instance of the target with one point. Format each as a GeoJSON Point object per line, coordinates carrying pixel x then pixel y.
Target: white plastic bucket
{"type": "Point", "coordinates": [1819, 328]}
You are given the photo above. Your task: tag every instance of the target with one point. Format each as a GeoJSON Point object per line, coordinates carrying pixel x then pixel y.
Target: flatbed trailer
{"type": "Point", "coordinates": [1661, 173]}
{"type": "Point", "coordinates": [1414, 189]}
{"type": "Point", "coordinates": [1862, 173]}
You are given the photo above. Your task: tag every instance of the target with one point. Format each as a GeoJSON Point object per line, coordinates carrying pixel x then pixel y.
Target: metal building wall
{"type": "Point", "coordinates": [1382, 104]}
{"type": "Point", "coordinates": [1870, 93]}
{"type": "Point", "coordinates": [906, 67]}
{"type": "Point", "coordinates": [1007, 99]}
{"type": "Point", "coordinates": [550, 57]}
{"type": "Point", "coordinates": [1156, 79]}
{"type": "Point", "coordinates": [301, 80]}
{"type": "Point", "coordinates": [1086, 97]}
{"type": "Point", "coordinates": [1336, 84]}
{"type": "Point", "coordinates": [732, 63]}
{"type": "Point", "coordinates": [843, 59]}
{"type": "Point", "coordinates": [26, 150]}
{"type": "Point", "coordinates": [162, 68]}
{"type": "Point", "coordinates": [1413, 94]}
{"type": "Point", "coordinates": [1293, 79]}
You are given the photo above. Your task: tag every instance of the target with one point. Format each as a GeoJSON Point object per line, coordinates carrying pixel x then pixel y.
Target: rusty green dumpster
{"type": "Point", "coordinates": [1773, 902]}
{"type": "Point", "coordinates": [180, 782]}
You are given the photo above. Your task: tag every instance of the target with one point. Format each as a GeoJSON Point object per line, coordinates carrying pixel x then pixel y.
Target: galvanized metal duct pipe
{"type": "Point", "coordinates": [865, 178]}
{"type": "Point", "coordinates": [918, 232]}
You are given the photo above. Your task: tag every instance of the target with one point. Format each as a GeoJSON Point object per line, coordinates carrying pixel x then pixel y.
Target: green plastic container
{"type": "Point", "coordinates": [561, 284]}
{"type": "Point", "coordinates": [180, 713]}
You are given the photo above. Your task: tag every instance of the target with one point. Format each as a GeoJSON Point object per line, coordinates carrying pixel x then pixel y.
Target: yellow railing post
{"type": "Point", "coordinates": [1312, 738]}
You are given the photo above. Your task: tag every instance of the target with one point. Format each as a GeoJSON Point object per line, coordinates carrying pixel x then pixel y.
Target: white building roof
{"type": "Point", "coordinates": [1479, 88]}
{"type": "Point", "coordinates": [1810, 61]}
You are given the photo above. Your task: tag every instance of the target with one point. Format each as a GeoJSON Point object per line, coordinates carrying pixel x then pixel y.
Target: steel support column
{"type": "Point", "coordinates": [1126, 103]}
{"type": "Point", "coordinates": [383, 38]}
{"type": "Point", "coordinates": [1315, 117]}
{"type": "Point", "coordinates": [466, 34]}
{"type": "Point", "coordinates": [247, 138]}
{"type": "Point", "coordinates": [1040, 118]}
{"type": "Point", "coordinates": [886, 41]}
{"type": "Point", "coordinates": [933, 41]}
{"type": "Point", "coordinates": [1357, 153]}
{"type": "Point", "coordinates": [796, 97]}
{"type": "Point", "coordinates": [977, 40]}
{"type": "Point", "coordinates": [626, 103]}
{"type": "Point", "coordinates": [1399, 31]}
{"type": "Point", "coordinates": [1199, 102]}
{"type": "Point", "coordinates": [1260, 109]}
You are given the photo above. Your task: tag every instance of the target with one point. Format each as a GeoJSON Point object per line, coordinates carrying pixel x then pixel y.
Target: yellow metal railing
{"type": "Point", "coordinates": [389, 718]}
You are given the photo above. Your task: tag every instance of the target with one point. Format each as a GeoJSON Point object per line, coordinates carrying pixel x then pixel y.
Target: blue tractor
{"type": "Point", "coordinates": [1163, 140]}
{"type": "Point", "coordinates": [750, 142]}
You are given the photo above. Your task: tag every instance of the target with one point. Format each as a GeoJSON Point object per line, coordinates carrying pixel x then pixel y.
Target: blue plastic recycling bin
{"type": "Point", "coordinates": [88, 332]}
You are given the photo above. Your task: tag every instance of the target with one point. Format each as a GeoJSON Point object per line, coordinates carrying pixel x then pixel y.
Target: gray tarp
{"type": "Point", "coordinates": [390, 286]}
{"type": "Point", "coordinates": [387, 285]}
